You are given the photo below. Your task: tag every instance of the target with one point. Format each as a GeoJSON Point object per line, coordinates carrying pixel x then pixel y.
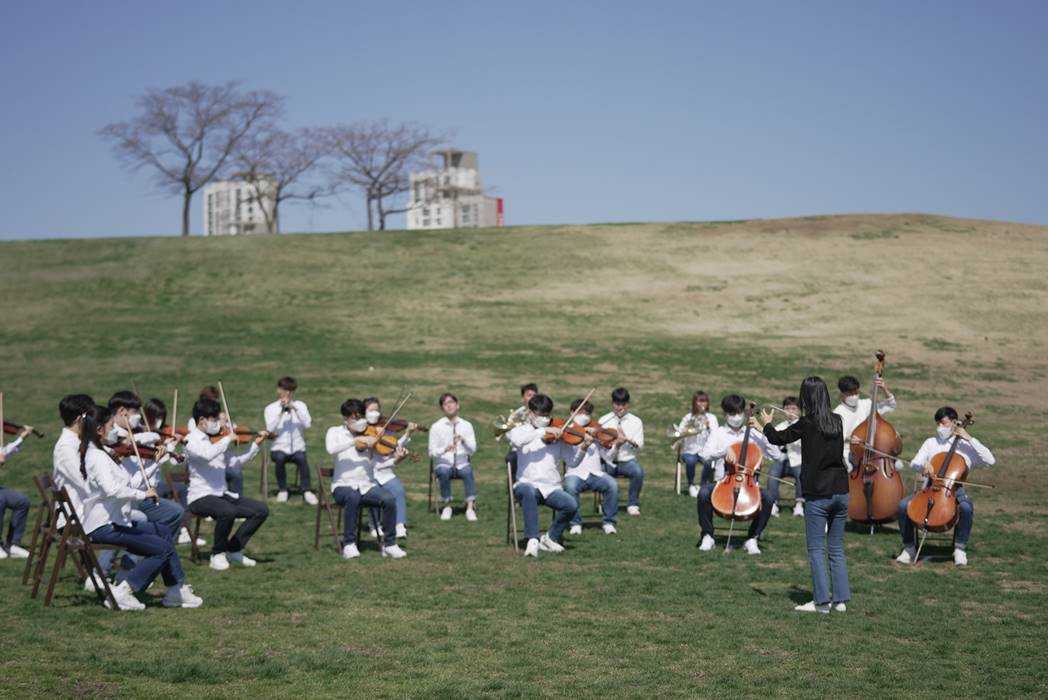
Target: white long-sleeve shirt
{"type": "Point", "coordinates": [583, 463]}
{"type": "Point", "coordinates": [693, 445]}
{"type": "Point", "coordinates": [724, 437]}
{"type": "Point", "coordinates": [208, 462]}
{"type": "Point", "coordinates": [66, 470]}
{"type": "Point", "coordinates": [288, 427]}
{"type": "Point", "coordinates": [974, 453]}
{"type": "Point", "coordinates": [12, 447]}
{"type": "Point", "coordinates": [109, 494]}
{"type": "Point", "coordinates": [793, 450]}
{"type": "Point", "coordinates": [851, 417]}
{"type": "Point", "coordinates": [441, 435]}
{"type": "Point", "coordinates": [538, 463]}
{"type": "Point", "coordinates": [629, 425]}
{"type": "Point", "coordinates": [353, 468]}
{"type": "Point", "coordinates": [382, 466]}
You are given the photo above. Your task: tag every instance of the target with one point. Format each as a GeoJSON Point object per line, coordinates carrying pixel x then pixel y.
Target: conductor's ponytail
{"type": "Point", "coordinates": [91, 420]}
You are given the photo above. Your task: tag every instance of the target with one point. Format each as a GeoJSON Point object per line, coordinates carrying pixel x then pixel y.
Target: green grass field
{"type": "Point", "coordinates": [663, 309]}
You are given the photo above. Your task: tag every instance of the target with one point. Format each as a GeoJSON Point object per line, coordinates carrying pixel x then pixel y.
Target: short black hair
{"type": "Point", "coordinates": [287, 383]}
{"type": "Point", "coordinates": [154, 409]}
{"type": "Point", "coordinates": [946, 412]}
{"type": "Point", "coordinates": [124, 399]}
{"type": "Point", "coordinates": [352, 407]}
{"type": "Point", "coordinates": [587, 407]}
{"type": "Point", "coordinates": [210, 392]}
{"type": "Point", "coordinates": [733, 403]}
{"type": "Point", "coordinates": [620, 395]}
{"type": "Point", "coordinates": [790, 401]}
{"type": "Point", "coordinates": [540, 403]}
{"type": "Point", "coordinates": [444, 397]}
{"type": "Point", "coordinates": [530, 386]}
{"type": "Point", "coordinates": [72, 406]}
{"type": "Point", "coordinates": [848, 384]}
{"type": "Point", "coordinates": [205, 408]}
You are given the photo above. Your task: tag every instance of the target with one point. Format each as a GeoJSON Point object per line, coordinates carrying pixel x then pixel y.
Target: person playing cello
{"type": "Point", "coordinates": [853, 410]}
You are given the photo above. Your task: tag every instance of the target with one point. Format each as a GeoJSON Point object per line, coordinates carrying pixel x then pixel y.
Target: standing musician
{"type": "Point", "coordinates": [16, 502]}
{"type": "Point", "coordinates": [538, 477]}
{"type": "Point", "coordinates": [585, 473]}
{"type": "Point", "coordinates": [353, 483]}
{"type": "Point", "coordinates": [518, 415]}
{"type": "Point", "coordinates": [854, 410]}
{"type": "Point", "coordinates": [974, 453]}
{"type": "Point", "coordinates": [791, 461]}
{"type": "Point", "coordinates": [209, 495]}
{"type": "Point", "coordinates": [621, 460]}
{"type": "Point", "coordinates": [452, 444]}
{"type": "Point", "coordinates": [698, 418]}
{"type": "Point", "coordinates": [384, 474]}
{"type": "Point", "coordinates": [716, 450]}
{"type": "Point", "coordinates": [287, 419]}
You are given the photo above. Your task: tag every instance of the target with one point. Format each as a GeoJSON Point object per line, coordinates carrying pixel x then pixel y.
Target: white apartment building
{"type": "Point", "coordinates": [451, 196]}
{"type": "Point", "coordinates": [232, 209]}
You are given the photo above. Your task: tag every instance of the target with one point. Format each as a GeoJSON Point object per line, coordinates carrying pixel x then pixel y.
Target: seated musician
{"type": "Point", "coordinates": [585, 473]}
{"type": "Point", "coordinates": [854, 410]}
{"type": "Point", "coordinates": [790, 464]}
{"type": "Point", "coordinates": [384, 474]}
{"type": "Point", "coordinates": [155, 412]}
{"type": "Point", "coordinates": [452, 443]}
{"type": "Point", "coordinates": [235, 473]}
{"type": "Point", "coordinates": [16, 502]}
{"type": "Point", "coordinates": [520, 412]}
{"type": "Point", "coordinates": [621, 460]}
{"type": "Point", "coordinates": [699, 417]}
{"type": "Point", "coordinates": [974, 453]}
{"type": "Point", "coordinates": [538, 477]}
{"type": "Point", "coordinates": [353, 483]}
{"type": "Point", "coordinates": [727, 434]}
{"type": "Point", "coordinates": [287, 419]}
{"type": "Point", "coordinates": [66, 455]}
{"type": "Point", "coordinates": [208, 493]}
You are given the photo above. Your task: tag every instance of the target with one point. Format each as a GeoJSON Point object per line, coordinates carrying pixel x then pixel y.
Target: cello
{"type": "Point", "coordinates": [874, 486]}
{"type": "Point", "coordinates": [737, 496]}
{"type": "Point", "coordinates": [934, 507]}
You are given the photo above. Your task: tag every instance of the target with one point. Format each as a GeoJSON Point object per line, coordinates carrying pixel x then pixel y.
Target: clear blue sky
{"type": "Point", "coordinates": [580, 111]}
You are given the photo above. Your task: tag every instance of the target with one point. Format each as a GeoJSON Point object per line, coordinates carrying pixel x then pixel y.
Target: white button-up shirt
{"type": "Point", "coordinates": [288, 427]}
{"type": "Point", "coordinates": [66, 461]}
{"type": "Point", "coordinates": [793, 450]}
{"type": "Point", "coordinates": [974, 453]}
{"type": "Point", "coordinates": [851, 417]}
{"type": "Point", "coordinates": [538, 463]}
{"type": "Point", "coordinates": [208, 462]}
{"type": "Point", "coordinates": [109, 494]}
{"type": "Point", "coordinates": [353, 468]}
{"type": "Point", "coordinates": [724, 437]}
{"type": "Point", "coordinates": [583, 462]}
{"type": "Point", "coordinates": [12, 447]}
{"type": "Point", "coordinates": [693, 444]}
{"type": "Point", "coordinates": [382, 467]}
{"type": "Point", "coordinates": [442, 434]}
{"type": "Point", "coordinates": [629, 425]}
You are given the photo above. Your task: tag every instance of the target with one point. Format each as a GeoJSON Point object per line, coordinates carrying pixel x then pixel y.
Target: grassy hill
{"type": "Point", "coordinates": [751, 306]}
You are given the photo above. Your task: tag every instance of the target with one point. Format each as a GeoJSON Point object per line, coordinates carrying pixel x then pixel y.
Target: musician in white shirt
{"type": "Point", "coordinates": [621, 460]}
{"type": "Point", "coordinates": [538, 477]}
{"type": "Point", "coordinates": [287, 419]}
{"type": "Point", "coordinates": [385, 475]}
{"type": "Point", "coordinates": [702, 419]}
{"type": "Point", "coordinates": [854, 410]}
{"type": "Point", "coordinates": [526, 392]}
{"type": "Point", "coordinates": [452, 444]}
{"type": "Point", "coordinates": [66, 456]}
{"type": "Point", "coordinates": [585, 471]}
{"type": "Point", "coordinates": [16, 502]}
{"type": "Point", "coordinates": [790, 464]}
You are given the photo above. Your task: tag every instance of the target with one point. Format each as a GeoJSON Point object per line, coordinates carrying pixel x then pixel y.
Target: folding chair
{"type": "Point", "coordinates": [190, 521]}
{"type": "Point", "coordinates": [41, 523]}
{"type": "Point", "coordinates": [511, 511]}
{"type": "Point", "coordinates": [51, 532]}
{"type": "Point", "coordinates": [74, 539]}
{"type": "Point", "coordinates": [432, 478]}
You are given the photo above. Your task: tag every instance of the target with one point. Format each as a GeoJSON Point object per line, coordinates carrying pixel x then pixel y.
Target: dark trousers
{"type": "Point", "coordinates": [706, 512]}
{"type": "Point", "coordinates": [352, 499]}
{"type": "Point", "coordinates": [225, 509]}
{"type": "Point", "coordinates": [151, 542]}
{"type": "Point", "coordinates": [280, 459]}
{"type": "Point", "coordinates": [18, 503]}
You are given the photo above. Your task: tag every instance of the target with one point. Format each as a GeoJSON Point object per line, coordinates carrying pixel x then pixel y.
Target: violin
{"type": "Point", "coordinates": [737, 496]}
{"type": "Point", "coordinates": [399, 424]}
{"type": "Point", "coordinates": [385, 446]}
{"type": "Point", "coordinates": [874, 487]}
{"type": "Point", "coordinates": [125, 449]}
{"type": "Point", "coordinates": [242, 435]}
{"type": "Point", "coordinates": [575, 435]}
{"type": "Point", "coordinates": [14, 428]}
{"type": "Point", "coordinates": [166, 433]}
{"type": "Point", "coordinates": [934, 507]}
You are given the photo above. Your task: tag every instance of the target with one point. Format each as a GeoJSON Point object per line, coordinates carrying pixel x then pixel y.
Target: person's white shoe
{"type": "Point", "coordinates": [839, 607]}
{"type": "Point", "coordinates": [201, 542]}
{"type": "Point", "coordinates": [532, 549]}
{"type": "Point", "coordinates": [774, 510]}
{"type": "Point", "coordinates": [350, 551]}
{"type": "Point", "coordinates": [89, 585]}
{"type": "Point", "coordinates": [310, 498]}
{"type": "Point", "coordinates": [373, 532]}
{"type": "Point", "coordinates": [575, 530]}
{"type": "Point", "coordinates": [181, 597]}
{"type": "Point", "coordinates": [751, 547]}
{"type": "Point", "coordinates": [125, 598]}
{"type": "Point", "coordinates": [471, 513]}
{"type": "Point", "coordinates": [960, 557]}
{"type": "Point", "coordinates": [810, 606]}
{"type": "Point", "coordinates": [184, 537]}
{"type": "Point", "coordinates": [16, 552]}
{"type": "Point", "coordinates": [707, 543]}
{"type": "Point", "coordinates": [798, 509]}
{"type": "Point", "coordinates": [547, 544]}
{"type": "Point", "coordinates": [693, 491]}
{"type": "Point", "coordinates": [907, 556]}
{"type": "Point", "coordinates": [219, 562]}
{"type": "Point", "coordinates": [402, 531]}
{"type": "Point", "coordinates": [282, 497]}
{"type": "Point", "coordinates": [445, 514]}
{"type": "Point", "coordinates": [609, 529]}
{"type": "Point", "coordinates": [393, 551]}
{"type": "Point", "coordinates": [633, 510]}
{"type": "Point", "coordinates": [240, 558]}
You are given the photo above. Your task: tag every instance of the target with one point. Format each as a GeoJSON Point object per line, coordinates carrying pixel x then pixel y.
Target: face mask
{"type": "Point", "coordinates": [582, 420]}
{"type": "Point", "coordinates": [358, 425]}
{"type": "Point", "coordinates": [159, 424]}
{"type": "Point", "coordinates": [135, 420]}
{"type": "Point", "coordinates": [945, 433]}
{"type": "Point", "coordinates": [851, 401]}
{"type": "Point", "coordinates": [540, 421]}
{"type": "Point", "coordinates": [212, 427]}
{"type": "Point", "coordinates": [113, 436]}
{"type": "Point", "coordinates": [736, 421]}
{"type": "Point", "coordinates": [372, 417]}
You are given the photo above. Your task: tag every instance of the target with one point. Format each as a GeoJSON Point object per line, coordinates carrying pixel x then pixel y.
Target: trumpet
{"type": "Point", "coordinates": [503, 425]}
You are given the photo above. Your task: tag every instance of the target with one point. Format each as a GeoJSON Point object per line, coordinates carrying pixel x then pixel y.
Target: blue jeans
{"type": "Point", "coordinates": [779, 469]}
{"type": "Point", "coordinates": [560, 501]}
{"type": "Point", "coordinates": [961, 533]}
{"type": "Point", "coordinates": [601, 483]}
{"type": "Point", "coordinates": [352, 499]}
{"type": "Point", "coordinates": [280, 460]}
{"type": "Point", "coordinates": [634, 472]}
{"type": "Point", "coordinates": [705, 508]}
{"type": "Point", "coordinates": [825, 518]}
{"type": "Point", "coordinates": [690, 462]}
{"type": "Point", "coordinates": [18, 503]}
{"type": "Point", "coordinates": [445, 474]}
{"type": "Point", "coordinates": [395, 487]}
{"type": "Point", "coordinates": [166, 514]}
{"type": "Point", "coordinates": [150, 542]}
{"type": "Point", "coordinates": [235, 480]}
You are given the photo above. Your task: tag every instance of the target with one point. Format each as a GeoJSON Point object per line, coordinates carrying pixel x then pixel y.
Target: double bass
{"type": "Point", "coordinates": [934, 507]}
{"type": "Point", "coordinates": [737, 496]}
{"type": "Point", "coordinates": [874, 486]}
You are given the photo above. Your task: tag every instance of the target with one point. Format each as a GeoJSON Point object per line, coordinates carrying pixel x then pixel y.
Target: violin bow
{"type": "Point", "coordinates": [174, 415]}
{"type": "Point", "coordinates": [1, 420]}
{"type": "Point", "coordinates": [225, 407]}
{"type": "Point", "coordinates": [576, 411]}
{"type": "Point", "coordinates": [138, 457]}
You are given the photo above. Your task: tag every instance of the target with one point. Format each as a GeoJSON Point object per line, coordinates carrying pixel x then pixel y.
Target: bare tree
{"type": "Point", "coordinates": [187, 133]}
{"type": "Point", "coordinates": [276, 165]}
{"type": "Point", "coordinates": [377, 157]}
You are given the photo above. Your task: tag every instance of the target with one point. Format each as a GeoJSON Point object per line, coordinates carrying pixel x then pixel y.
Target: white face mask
{"type": "Point", "coordinates": [113, 436]}
{"type": "Point", "coordinates": [945, 432]}
{"type": "Point", "coordinates": [372, 417]}
{"type": "Point", "coordinates": [851, 401]}
{"type": "Point", "coordinates": [736, 421]}
{"type": "Point", "coordinates": [159, 424]}
{"type": "Point", "coordinates": [540, 421]}
{"type": "Point", "coordinates": [358, 425]}
{"type": "Point", "coordinates": [211, 427]}
{"type": "Point", "coordinates": [582, 420]}
{"type": "Point", "coordinates": [134, 419]}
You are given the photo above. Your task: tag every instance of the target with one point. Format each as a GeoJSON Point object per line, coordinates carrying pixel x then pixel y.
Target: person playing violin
{"type": "Point", "coordinates": [539, 452]}
{"type": "Point", "coordinates": [584, 470]}
{"type": "Point", "coordinates": [16, 502]}
{"type": "Point", "coordinates": [790, 464]}
{"type": "Point", "coordinates": [235, 473]}
{"type": "Point", "coordinates": [691, 448]}
{"type": "Point", "coordinates": [526, 392]}
{"type": "Point", "coordinates": [287, 419]}
{"type": "Point", "coordinates": [452, 444]}
{"type": "Point", "coordinates": [621, 460]}
{"type": "Point", "coordinates": [384, 474]}
{"type": "Point", "coordinates": [974, 453]}
{"type": "Point", "coordinates": [209, 495]}
{"type": "Point", "coordinates": [155, 412]}
{"type": "Point", "coordinates": [853, 410]}
{"type": "Point", "coordinates": [716, 450]}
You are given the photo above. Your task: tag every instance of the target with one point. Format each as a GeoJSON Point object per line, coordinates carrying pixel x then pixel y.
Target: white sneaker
{"type": "Point", "coordinates": [839, 607]}
{"type": "Point", "coordinates": [181, 597]}
{"type": "Point", "coordinates": [575, 530]}
{"type": "Point", "coordinates": [693, 491]}
{"type": "Point", "coordinates": [402, 531]}
{"type": "Point", "coordinates": [798, 509]}
{"type": "Point", "coordinates": [373, 532]}
{"type": "Point", "coordinates": [446, 513]}
{"type": "Point", "coordinates": [707, 544]}
{"type": "Point", "coordinates": [393, 551]}
{"type": "Point", "coordinates": [89, 585]}
{"type": "Point", "coordinates": [960, 557]}
{"type": "Point", "coordinates": [125, 598]}
{"type": "Point", "coordinates": [471, 514]}
{"type": "Point", "coordinates": [609, 529]}
{"type": "Point", "coordinates": [310, 498]}
{"type": "Point", "coordinates": [751, 547]}
{"type": "Point", "coordinates": [16, 552]}
{"type": "Point", "coordinates": [282, 497]}
{"type": "Point", "coordinates": [774, 510]}
{"type": "Point", "coordinates": [532, 550]}
{"type": "Point", "coordinates": [201, 542]}
{"type": "Point", "coordinates": [219, 562]}
{"type": "Point", "coordinates": [633, 510]}
{"type": "Point", "coordinates": [350, 551]}
{"type": "Point", "coordinates": [810, 606]}
{"type": "Point", "coordinates": [240, 558]}
{"type": "Point", "coordinates": [184, 537]}
{"type": "Point", "coordinates": [546, 544]}
{"type": "Point", "coordinates": [907, 556]}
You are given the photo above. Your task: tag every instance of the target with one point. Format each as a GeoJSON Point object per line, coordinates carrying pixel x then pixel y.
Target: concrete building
{"type": "Point", "coordinates": [231, 208]}
{"type": "Point", "coordinates": [451, 195]}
